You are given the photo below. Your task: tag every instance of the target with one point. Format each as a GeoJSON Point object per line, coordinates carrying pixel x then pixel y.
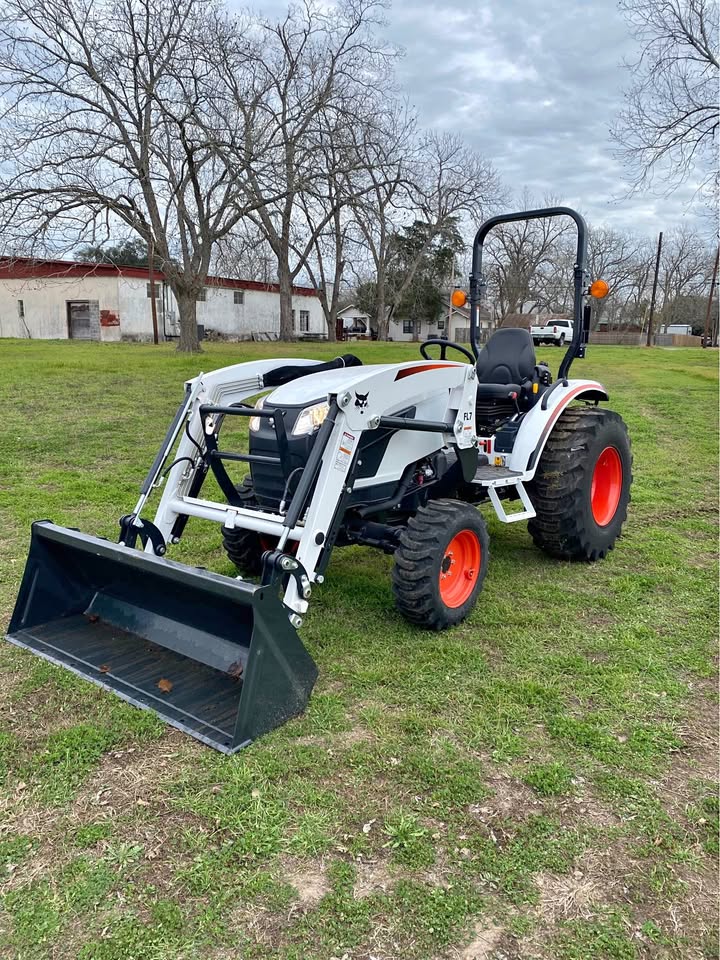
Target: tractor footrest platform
{"type": "Point", "coordinates": [485, 473]}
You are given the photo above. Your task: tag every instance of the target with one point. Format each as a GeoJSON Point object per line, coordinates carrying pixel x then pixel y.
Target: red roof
{"type": "Point", "coordinates": [26, 268]}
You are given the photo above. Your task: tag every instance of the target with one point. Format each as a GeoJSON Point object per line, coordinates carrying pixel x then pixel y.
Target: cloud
{"type": "Point", "coordinates": [534, 85]}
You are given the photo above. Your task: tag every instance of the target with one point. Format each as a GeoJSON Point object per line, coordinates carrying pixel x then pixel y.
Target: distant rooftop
{"type": "Point", "coordinates": [27, 268]}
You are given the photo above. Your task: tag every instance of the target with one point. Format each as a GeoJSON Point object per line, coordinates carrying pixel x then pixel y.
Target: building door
{"type": "Point", "coordinates": [83, 319]}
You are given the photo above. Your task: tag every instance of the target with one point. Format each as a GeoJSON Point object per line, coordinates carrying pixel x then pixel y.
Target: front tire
{"type": "Point", "coordinates": [581, 489]}
{"type": "Point", "coordinates": [440, 564]}
{"type": "Point", "coordinates": [244, 547]}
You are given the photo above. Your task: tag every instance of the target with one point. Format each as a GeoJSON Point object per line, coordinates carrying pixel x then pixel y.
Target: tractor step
{"type": "Point", "coordinates": [527, 512]}
{"type": "Point", "coordinates": [485, 473]}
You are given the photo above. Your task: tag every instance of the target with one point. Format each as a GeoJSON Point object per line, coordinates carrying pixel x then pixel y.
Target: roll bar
{"type": "Point", "coordinates": [478, 283]}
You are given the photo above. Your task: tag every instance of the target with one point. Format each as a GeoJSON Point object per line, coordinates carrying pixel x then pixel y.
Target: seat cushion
{"type": "Point", "coordinates": [507, 358]}
{"type": "Point", "coordinates": [497, 391]}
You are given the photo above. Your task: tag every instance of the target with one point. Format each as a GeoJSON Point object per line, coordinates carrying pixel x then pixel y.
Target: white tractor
{"type": "Point", "coordinates": [391, 456]}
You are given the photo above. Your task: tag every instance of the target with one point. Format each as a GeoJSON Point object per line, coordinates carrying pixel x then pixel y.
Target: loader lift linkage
{"type": "Point", "coordinates": [392, 456]}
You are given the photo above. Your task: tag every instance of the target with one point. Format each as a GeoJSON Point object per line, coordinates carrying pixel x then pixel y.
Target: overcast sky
{"type": "Point", "coordinates": [534, 85]}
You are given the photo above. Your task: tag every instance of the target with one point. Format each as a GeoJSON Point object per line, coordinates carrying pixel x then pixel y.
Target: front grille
{"type": "Point", "coordinates": [269, 478]}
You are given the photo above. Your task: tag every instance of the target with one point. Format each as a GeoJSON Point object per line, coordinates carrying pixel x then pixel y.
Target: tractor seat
{"type": "Point", "coordinates": [506, 363]}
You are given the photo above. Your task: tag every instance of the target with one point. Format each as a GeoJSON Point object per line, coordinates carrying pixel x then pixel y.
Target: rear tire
{"type": "Point", "coordinates": [581, 489]}
{"type": "Point", "coordinates": [440, 564]}
{"type": "Point", "coordinates": [243, 547]}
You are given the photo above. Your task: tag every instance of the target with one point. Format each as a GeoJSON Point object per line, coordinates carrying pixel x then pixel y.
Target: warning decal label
{"type": "Point", "coordinates": [345, 451]}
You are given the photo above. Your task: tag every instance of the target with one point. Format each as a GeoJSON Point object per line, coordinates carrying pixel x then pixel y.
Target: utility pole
{"type": "Point", "coordinates": [448, 335]}
{"type": "Point", "coordinates": [710, 299]}
{"type": "Point", "coordinates": [654, 292]}
{"type": "Point", "coordinates": [153, 304]}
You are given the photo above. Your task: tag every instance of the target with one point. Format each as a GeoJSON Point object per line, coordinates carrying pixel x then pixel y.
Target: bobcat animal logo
{"type": "Point", "coordinates": [361, 399]}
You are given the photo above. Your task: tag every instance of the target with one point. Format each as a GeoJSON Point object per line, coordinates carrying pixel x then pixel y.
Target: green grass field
{"type": "Point", "coordinates": [538, 783]}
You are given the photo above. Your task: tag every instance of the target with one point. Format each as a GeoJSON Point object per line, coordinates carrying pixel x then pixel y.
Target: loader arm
{"type": "Point", "coordinates": [364, 399]}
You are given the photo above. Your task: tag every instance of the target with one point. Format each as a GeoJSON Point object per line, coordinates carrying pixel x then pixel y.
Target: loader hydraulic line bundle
{"type": "Point", "coordinates": [391, 456]}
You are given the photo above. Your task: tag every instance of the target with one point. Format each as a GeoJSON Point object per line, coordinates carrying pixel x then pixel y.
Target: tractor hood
{"type": "Point", "coordinates": [317, 386]}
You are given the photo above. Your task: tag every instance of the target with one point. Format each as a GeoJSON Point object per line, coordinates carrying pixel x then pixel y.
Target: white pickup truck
{"type": "Point", "coordinates": [554, 331]}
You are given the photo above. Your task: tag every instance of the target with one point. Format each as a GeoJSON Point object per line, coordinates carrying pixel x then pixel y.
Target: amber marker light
{"type": "Point", "coordinates": [599, 289]}
{"type": "Point", "coordinates": [458, 298]}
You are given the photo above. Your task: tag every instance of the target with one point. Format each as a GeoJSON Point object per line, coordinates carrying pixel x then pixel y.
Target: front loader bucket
{"type": "Point", "coordinates": [213, 656]}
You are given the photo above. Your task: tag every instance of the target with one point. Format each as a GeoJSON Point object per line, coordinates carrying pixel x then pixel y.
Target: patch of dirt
{"type": "Point", "coordinates": [698, 756]}
{"type": "Point", "coordinates": [336, 741]}
{"type": "Point", "coordinates": [309, 879]}
{"type": "Point", "coordinates": [131, 777]}
{"type": "Point", "coordinates": [257, 923]}
{"type": "Point", "coordinates": [511, 800]}
{"type": "Point", "coordinates": [489, 943]}
{"type": "Point", "coordinates": [584, 810]}
{"type": "Point", "coordinates": [373, 876]}
{"type": "Point", "coordinates": [600, 621]}
{"type": "Point", "coordinates": [125, 791]}
{"type": "Point", "coordinates": [483, 944]}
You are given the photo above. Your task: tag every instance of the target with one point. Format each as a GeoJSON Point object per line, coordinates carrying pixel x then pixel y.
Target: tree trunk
{"type": "Point", "coordinates": [382, 319]}
{"type": "Point", "coordinates": [331, 321]}
{"type": "Point", "coordinates": [187, 310]}
{"type": "Point", "coordinates": [287, 327]}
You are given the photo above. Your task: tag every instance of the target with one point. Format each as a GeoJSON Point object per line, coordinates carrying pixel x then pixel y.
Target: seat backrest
{"type": "Point", "coordinates": [507, 357]}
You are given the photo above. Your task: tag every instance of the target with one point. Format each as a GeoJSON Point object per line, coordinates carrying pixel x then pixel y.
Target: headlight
{"type": "Point", "coordinates": [255, 421]}
{"type": "Point", "coordinates": [310, 419]}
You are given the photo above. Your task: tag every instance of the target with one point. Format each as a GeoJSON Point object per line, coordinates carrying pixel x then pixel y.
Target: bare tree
{"type": "Point", "coordinates": [325, 210]}
{"type": "Point", "coordinates": [630, 303]}
{"type": "Point", "coordinates": [246, 253]}
{"type": "Point", "coordinates": [443, 180]}
{"type": "Point", "coordinates": [668, 128]}
{"type": "Point", "coordinates": [108, 118]}
{"type": "Point", "coordinates": [623, 261]}
{"type": "Point", "coordinates": [525, 258]}
{"type": "Point", "coordinates": [684, 268]}
{"type": "Point", "coordinates": [388, 163]}
{"type": "Point", "coordinates": [314, 71]}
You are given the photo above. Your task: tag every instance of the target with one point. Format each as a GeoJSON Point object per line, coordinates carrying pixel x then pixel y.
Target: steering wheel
{"type": "Point", "coordinates": [444, 345]}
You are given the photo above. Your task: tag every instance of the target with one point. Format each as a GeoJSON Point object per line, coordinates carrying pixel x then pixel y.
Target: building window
{"type": "Point", "coordinates": [441, 324]}
{"type": "Point", "coordinates": [304, 321]}
{"type": "Point", "coordinates": [155, 290]}
{"type": "Point", "coordinates": [408, 326]}
{"type": "Point", "coordinates": [21, 309]}
{"type": "Point", "coordinates": [202, 295]}
{"type": "Point", "coordinates": [238, 297]}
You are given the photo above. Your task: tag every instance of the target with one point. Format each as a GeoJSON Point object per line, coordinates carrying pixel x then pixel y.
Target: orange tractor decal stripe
{"type": "Point", "coordinates": [420, 368]}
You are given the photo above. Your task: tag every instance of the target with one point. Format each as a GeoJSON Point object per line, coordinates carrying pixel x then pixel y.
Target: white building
{"type": "Point", "coordinates": [452, 323]}
{"type": "Point", "coordinates": [681, 329]}
{"type": "Point", "coordinates": [355, 322]}
{"type": "Point", "coordinates": [57, 299]}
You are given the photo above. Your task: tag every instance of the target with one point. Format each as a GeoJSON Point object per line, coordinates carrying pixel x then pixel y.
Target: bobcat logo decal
{"type": "Point", "coordinates": [361, 400]}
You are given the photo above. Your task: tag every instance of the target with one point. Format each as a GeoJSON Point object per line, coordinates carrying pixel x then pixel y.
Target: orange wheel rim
{"type": "Point", "coordinates": [460, 568]}
{"type": "Point", "coordinates": [606, 487]}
